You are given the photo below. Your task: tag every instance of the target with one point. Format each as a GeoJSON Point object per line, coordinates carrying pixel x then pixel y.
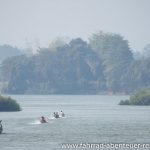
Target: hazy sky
{"type": "Point", "coordinates": [39, 21]}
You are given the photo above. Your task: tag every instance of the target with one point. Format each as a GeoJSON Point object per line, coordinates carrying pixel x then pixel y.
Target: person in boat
{"type": "Point", "coordinates": [1, 127]}
{"type": "Point", "coordinates": [62, 113]}
{"type": "Point", "coordinates": [56, 115]}
{"type": "Point", "coordinates": [42, 120]}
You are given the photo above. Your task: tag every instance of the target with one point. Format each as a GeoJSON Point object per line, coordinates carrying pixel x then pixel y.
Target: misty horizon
{"type": "Point", "coordinates": [36, 22]}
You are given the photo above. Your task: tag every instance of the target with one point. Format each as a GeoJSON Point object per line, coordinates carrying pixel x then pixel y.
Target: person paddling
{"type": "Point", "coordinates": [62, 113]}
{"type": "Point", "coordinates": [1, 127]}
{"type": "Point", "coordinates": [56, 115]}
{"type": "Point", "coordinates": [43, 120]}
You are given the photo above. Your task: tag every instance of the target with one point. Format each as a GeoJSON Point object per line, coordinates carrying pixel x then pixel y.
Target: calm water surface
{"type": "Point", "coordinates": [90, 119]}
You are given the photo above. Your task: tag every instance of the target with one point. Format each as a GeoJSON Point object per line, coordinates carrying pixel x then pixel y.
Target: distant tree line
{"type": "Point", "coordinates": [8, 51]}
{"type": "Point", "coordinates": [104, 64]}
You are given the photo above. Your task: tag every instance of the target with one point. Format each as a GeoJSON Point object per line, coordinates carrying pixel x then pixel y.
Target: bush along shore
{"type": "Point", "coordinates": [8, 104]}
{"type": "Point", "coordinates": [140, 98]}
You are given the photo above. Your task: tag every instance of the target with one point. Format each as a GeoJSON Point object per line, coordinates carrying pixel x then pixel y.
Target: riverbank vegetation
{"type": "Point", "coordinates": [8, 104]}
{"type": "Point", "coordinates": [140, 98]}
{"type": "Point", "coordinates": [104, 64]}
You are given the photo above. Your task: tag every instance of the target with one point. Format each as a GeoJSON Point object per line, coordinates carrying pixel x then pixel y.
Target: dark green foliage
{"type": "Point", "coordinates": [124, 102]}
{"type": "Point", "coordinates": [140, 98]}
{"type": "Point", "coordinates": [8, 104]}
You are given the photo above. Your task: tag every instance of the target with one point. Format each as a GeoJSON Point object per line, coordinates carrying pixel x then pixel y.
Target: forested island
{"type": "Point", "coordinates": [104, 64]}
{"type": "Point", "coordinates": [8, 104]}
{"type": "Point", "coordinates": [140, 98]}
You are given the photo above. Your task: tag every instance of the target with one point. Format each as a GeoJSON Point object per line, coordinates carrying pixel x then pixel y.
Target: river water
{"type": "Point", "coordinates": [89, 119]}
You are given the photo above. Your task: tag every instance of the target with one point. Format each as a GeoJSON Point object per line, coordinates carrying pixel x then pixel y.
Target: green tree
{"type": "Point", "coordinates": [116, 56]}
{"type": "Point", "coordinates": [71, 69]}
{"type": "Point", "coordinates": [137, 76]}
{"type": "Point", "coordinates": [140, 98]}
{"type": "Point", "coordinates": [146, 51]}
{"type": "Point", "coordinates": [7, 51]}
{"type": "Point", "coordinates": [8, 104]}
